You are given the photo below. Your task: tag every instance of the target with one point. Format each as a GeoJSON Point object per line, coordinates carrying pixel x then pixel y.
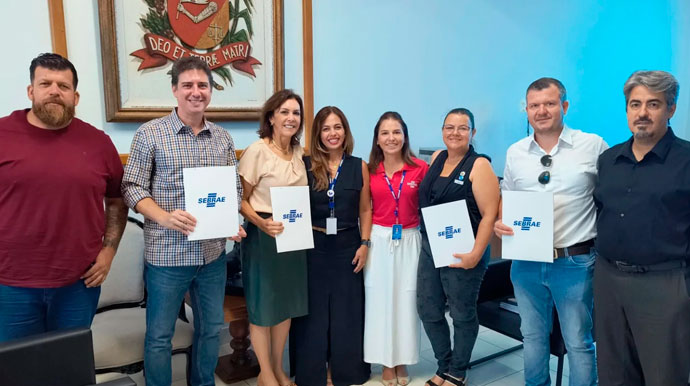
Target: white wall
{"type": "Point", "coordinates": [84, 50]}
{"type": "Point", "coordinates": [20, 44]}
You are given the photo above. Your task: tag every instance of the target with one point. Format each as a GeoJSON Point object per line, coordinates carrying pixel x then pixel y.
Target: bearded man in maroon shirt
{"type": "Point", "coordinates": [57, 238]}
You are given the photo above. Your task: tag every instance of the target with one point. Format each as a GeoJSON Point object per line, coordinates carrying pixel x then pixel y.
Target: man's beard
{"type": "Point", "coordinates": [643, 134]}
{"type": "Point", "coordinates": [54, 113]}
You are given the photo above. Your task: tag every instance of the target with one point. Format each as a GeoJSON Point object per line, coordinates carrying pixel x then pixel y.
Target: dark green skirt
{"type": "Point", "coordinates": [275, 284]}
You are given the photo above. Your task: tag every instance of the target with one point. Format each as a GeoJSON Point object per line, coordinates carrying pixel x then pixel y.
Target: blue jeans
{"type": "Point", "coordinates": [29, 311]}
{"type": "Point", "coordinates": [567, 283]}
{"type": "Point", "coordinates": [166, 287]}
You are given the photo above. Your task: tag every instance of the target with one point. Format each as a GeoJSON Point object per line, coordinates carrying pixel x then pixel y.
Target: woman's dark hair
{"type": "Point", "coordinates": [318, 153]}
{"type": "Point", "coordinates": [376, 154]}
{"type": "Point", "coordinates": [272, 104]}
{"type": "Point", "coordinates": [462, 111]}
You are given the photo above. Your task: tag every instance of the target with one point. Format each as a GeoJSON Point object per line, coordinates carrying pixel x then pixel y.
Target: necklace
{"type": "Point", "coordinates": [333, 164]}
{"type": "Point", "coordinates": [284, 151]}
{"type": "Point", "coordinates": [332, 169]}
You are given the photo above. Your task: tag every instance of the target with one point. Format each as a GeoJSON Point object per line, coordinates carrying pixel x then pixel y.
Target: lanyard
{"type": "Point", "coordinates": [396, 198]}
{"type": "Point", "coordinates": [331, 188]}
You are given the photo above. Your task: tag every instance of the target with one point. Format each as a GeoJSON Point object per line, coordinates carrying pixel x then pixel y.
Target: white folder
{"type": "Point", "coordinates": [530, 214]}
{"type": "Point", "coordinates": [210, 195]}
{"type": "Point", "coordinates": [291, 207]}
{"type": "Point", "coordinates": [449, 230]}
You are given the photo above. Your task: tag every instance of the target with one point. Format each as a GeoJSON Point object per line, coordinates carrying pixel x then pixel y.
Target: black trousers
{"type": "Point", "coordinates": [642, 326]}
{"type": "Point", "coordinates": [333, 331]}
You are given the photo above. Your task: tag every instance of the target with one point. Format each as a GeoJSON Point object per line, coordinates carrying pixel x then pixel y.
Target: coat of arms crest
{"type": "Point", "coordinates": [204, 28]}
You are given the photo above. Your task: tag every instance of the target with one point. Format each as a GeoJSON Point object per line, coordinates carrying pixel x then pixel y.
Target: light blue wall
{"type": "Point", "coordinates": [424, 58]}
{"type": "Point", "coordinates": [421, 59]}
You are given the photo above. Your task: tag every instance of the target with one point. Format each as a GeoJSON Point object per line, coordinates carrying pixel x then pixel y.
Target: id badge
{"type": "Point", "coordinates": [331, 226]}
{"type": "Point", "coordinates": [397, 231]}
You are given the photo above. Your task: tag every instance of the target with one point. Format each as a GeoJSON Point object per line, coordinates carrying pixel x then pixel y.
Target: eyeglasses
{"type": "Point", "coordinates": [451, 128]}
{"type": "Point", "coordinates": [545, 176]}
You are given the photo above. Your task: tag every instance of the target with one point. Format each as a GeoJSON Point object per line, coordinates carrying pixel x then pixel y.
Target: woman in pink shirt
{"type": "Point", "coordinates": [391, 324]}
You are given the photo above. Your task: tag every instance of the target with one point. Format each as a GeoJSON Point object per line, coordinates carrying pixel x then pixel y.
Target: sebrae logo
{"type": "Point", "coordinates": [211, 200]}
{"type": "Point", "coordinates": [209, 29]}
{"type": "Point", "coordinates": [449, 232]}
{"type": "Point", "coordinates": [527, 223]}
{"type": "Point", "coordinates": [292, 216]}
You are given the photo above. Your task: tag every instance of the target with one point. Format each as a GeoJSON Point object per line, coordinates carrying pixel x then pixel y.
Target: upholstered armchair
{"type": "Point", "coordinates": [120, 324]}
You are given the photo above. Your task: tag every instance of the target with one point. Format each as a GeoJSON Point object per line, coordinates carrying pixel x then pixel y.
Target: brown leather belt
{"type": "Point", "coordinates": [575, 249]}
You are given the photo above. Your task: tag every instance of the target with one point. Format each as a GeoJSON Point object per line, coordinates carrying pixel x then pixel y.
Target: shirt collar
{"type": "Point", "coordinates": [179, 126]}
{"type": "Point", "coordinates": [405, 167]}
{"type": "Point", "coordinates": [566, 138]}
{"type": "Point", "coordinates": [660, 150]}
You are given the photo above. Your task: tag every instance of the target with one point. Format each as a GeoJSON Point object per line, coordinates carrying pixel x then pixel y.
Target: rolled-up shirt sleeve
{"type": "Point", "coordinates": [136, 182]}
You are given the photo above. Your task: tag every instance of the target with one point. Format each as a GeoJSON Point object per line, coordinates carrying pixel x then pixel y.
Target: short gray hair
{"type": "Point", "coordinates": [655, 81]}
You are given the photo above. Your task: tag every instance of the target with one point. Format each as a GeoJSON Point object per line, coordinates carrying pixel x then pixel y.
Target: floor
{"type": "Point", "coordinates": [506, 370]}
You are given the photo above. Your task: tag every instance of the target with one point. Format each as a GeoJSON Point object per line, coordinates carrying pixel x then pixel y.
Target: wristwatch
{"type": "Point", "coordinates": [366, 242]}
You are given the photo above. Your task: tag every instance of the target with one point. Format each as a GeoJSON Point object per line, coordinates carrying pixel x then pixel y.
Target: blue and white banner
{"type": "Point", "coordinates": [530, 214]}
{"type": "Point", "coordinates": [291, 207]}
{"type": "Point", "coordinates": [450, 231]}
{"type": "Point", "coordinates": [210, 195]}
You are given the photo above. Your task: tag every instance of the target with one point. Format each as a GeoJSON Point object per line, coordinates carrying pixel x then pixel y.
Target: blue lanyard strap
{"type": "Point", "coordinates": [331, 188]}
{"type": "Point", "coordinates": [396, 198]}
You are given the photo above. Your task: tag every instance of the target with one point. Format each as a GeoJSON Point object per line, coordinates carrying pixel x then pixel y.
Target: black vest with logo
{"type": "Point", "coordinates": [456, 187]}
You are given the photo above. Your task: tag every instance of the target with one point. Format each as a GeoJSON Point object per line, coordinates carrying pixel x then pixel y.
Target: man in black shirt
{"type": "Point", "coordinates": [641, 277]}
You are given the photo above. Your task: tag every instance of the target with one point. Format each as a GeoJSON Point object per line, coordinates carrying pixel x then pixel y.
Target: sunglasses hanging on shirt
{"type": "Point", "coordinates": [545, 176]}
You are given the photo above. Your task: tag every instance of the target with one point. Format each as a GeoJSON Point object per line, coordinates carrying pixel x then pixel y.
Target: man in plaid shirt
{"type": "Point", "coordinates": [153, 186]}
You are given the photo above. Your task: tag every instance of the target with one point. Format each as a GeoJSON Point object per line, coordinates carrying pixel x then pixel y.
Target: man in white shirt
{"type": "Point", "coordinates": [563, 161]}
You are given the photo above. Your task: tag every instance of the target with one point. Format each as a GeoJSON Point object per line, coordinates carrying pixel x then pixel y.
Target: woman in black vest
{"type": "Point", "coordinates": [457, 173]}
{"type": "Point", "coordinates": [332, 333]}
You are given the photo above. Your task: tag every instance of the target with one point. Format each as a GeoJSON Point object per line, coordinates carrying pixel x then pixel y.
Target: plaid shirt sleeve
{"type": "Point", "coordinates": [136, 182]}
